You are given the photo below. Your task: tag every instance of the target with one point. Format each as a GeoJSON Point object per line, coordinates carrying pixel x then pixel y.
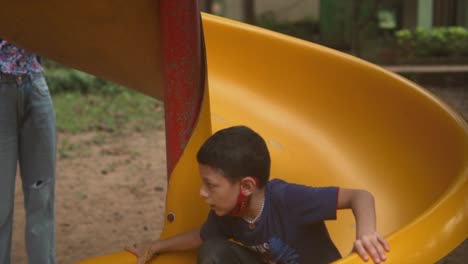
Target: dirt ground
{"type": "Point", "coordinates": [110, 191]}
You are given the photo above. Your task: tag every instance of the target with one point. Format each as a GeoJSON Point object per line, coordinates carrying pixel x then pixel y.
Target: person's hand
{"type": "Point", "coordinates": [144, 251]}
{"type": "Point", "coordinates": [373, 245]}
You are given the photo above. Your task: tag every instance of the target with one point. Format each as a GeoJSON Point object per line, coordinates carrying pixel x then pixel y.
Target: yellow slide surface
{"type": "Point", "coordinates": [328, 118]}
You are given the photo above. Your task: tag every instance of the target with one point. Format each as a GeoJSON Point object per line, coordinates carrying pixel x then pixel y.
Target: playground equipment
{"type": "Point", "coordinates": [328, 118]}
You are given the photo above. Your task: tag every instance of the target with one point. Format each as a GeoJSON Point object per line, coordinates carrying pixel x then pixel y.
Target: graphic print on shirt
{"type": "Point", "coordinates": [275, 251]}
{"type": "Point", "coordinates": [282, 253]}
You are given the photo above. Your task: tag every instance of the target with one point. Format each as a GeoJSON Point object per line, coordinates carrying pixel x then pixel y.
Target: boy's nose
{"type": "Point", "coordinates": [203, 193]}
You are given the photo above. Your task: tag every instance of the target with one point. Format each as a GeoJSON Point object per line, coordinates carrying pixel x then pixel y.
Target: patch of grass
{"type": "Point", "coordinates": [120, 112]}
{"type": "Point", "coordinates": [81, 196]}
{"type": "Point", "coordinates": [66, 149]}
{"type": "Point", "coordinates": [99, 139]}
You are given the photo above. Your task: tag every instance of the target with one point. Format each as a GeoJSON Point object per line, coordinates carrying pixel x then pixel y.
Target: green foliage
{"type": "Point", "coordinates": [434, 42]}
{"type": "Point", "coordinates": [62, 79]}
{"type": "Point", "coordinates": [119, 112]}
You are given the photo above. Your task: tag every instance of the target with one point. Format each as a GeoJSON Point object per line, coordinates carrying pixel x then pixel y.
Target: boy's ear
{"type": "Point", "coordinates": [248, 185]}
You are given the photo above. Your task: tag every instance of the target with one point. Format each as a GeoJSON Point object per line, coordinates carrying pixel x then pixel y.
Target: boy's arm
{"type": "Point", "coordinates": [185, 241]}
{"type": "Point", "coordinates": [368, 241]}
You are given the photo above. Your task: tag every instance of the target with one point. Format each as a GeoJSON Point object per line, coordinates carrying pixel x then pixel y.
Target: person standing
{"type": "Point", "coordinates": [27, 138]}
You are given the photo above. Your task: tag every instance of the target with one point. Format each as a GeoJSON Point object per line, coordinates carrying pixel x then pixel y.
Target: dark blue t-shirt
{"type": "Point", "coordinates": [291, 229]}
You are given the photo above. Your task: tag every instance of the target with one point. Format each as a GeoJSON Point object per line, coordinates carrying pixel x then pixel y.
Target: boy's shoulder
{"type": "Point", "coordinates": [284, 192]}
{"type": "Point", "coordinates": [276, 185]}
{"type": "Point", "coordinates": [277, 182]}
{"type": "Point", "coordinates": [279, 185]}
{"type": "Point", "coordinates": [276, 189]}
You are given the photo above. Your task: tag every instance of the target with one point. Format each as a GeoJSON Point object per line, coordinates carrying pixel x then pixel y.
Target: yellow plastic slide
{"type": "Point", "coordinates": [328, 118]}
{"type": "Point", "coordinates": [331, 119]}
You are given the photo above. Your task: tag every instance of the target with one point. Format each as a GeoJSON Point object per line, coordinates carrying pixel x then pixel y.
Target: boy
{"type": "Point", "coordinates": [254, 220]}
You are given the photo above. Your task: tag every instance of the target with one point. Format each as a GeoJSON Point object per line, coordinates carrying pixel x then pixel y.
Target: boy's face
{"type": "Point", "coordinates": [219, 193]}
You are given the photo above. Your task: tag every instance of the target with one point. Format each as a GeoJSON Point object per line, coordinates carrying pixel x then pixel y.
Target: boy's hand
{"type": "Point", "coordinates": [372, 244]}
{"type": "Point", "coordinates": [143, 251]}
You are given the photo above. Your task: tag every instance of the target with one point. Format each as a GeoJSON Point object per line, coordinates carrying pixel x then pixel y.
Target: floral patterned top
{"type": "Point", "coordinates": [17, 61]}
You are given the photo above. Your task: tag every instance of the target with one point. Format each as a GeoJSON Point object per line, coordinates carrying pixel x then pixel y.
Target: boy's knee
{"type": "Point", "coordinates": [214, 251]}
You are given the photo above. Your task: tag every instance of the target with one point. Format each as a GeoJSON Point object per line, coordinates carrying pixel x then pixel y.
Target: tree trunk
{"type": "Point", "coordinates": [249, 11]}
{"type": "Point", "coordinates": [360, 22]}
{"type": "Point", "coordinates": [355, 30]}
{"type": "Point", "coordinates": [206, 6]}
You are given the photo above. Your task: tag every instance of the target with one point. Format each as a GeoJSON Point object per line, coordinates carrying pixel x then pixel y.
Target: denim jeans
{"type": "Point", "coordinates": [221, 251]}
{"type": "Point", "coordinates": [28, 137]}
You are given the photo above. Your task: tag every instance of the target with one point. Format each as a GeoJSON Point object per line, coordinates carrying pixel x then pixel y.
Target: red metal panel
{"type": "Point", "coordinates": [182, 72]}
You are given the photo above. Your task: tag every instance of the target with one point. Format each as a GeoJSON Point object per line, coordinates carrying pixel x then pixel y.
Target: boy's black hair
{"type": "Point", "coordinates": [238, 152]}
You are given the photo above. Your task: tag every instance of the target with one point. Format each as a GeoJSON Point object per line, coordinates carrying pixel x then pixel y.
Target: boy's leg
{"type": "Point", "coordinates": [221, 251]}
{"type": "Point", "coordinates": [37, 164]}
{"type": "Point", "coordinates": [8, 161]}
